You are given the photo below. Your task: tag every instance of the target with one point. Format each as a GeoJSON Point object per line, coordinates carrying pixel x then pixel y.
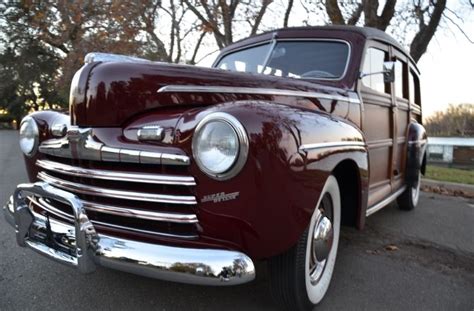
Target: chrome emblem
{"type": "Point", "coordinates": [151, 132]}
{"type": "Point", "coordinates": [220, 197]}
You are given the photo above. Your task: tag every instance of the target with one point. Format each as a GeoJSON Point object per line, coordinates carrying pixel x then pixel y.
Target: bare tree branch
{"type": "Point", "coordinates": [425, 34]}
{"type": "Point", "coordinates": [196, 48]}
{"type": "Point", "coordinates": [356, 14]}
{"type": "Point", "coordinates": [258, 19]}
{"type": "Point", "coordinates": [334, 12]}
{"type": "Point", "coordinates": [287, 13]}
{"type": "Point", "coordinates": [459, 28]}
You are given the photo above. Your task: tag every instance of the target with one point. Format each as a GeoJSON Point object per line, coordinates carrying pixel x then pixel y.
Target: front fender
{"type": "Point", "coordinates": [280, 184]}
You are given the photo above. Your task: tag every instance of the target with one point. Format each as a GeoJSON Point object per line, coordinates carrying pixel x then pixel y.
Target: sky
{"type": "Point", "coordinates": [447, 70]}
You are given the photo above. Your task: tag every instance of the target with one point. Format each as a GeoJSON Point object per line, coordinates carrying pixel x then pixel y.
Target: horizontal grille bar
{"type": "Point", "coordinates": [128, 212]}
{"type": "Point", "coordinates": [125, 212]}
{"type": "Point", "coordinates": [117, 176]}
{"type": "Point", "coordinates": [116, 194]}
{"type": "Point", "coordinates": [51, 209]}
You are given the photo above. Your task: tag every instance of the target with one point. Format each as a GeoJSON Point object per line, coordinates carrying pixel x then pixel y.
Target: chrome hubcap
{"type": "Point", "coordinates": [322, 240]}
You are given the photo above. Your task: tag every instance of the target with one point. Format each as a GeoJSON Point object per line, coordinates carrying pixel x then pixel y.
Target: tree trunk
{"type": "Point", "coordinates": [425, 34]}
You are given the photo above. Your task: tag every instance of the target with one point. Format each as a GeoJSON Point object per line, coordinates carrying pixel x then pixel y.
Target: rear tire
{"type": "Point", "coordinates": [300, 277]}
{"type": "Point", "coordinates": [408, 200]}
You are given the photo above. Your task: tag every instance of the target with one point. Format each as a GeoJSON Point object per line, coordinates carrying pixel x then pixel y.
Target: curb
{"type": "Point", "coordinates": [449, 186]}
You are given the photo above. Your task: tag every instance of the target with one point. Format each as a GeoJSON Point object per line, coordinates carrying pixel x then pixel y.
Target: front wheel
{"type": "Point", "coordinates": [300, 277]}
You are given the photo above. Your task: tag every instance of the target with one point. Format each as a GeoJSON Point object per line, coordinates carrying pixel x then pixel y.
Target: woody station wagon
{"type": "Point", "coordinates": [193, 174]}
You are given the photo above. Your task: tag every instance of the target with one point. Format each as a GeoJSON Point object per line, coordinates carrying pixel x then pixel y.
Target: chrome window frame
{"type": "Point", "coordinates": [273, 43]}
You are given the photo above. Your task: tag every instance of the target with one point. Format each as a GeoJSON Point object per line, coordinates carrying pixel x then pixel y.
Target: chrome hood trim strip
{"type": "Point", "coordinates": [116, 194]}
{"type": "Point", "coordinates": [257, 91]}
{"type": "Point", "coordinates": [114, 175]}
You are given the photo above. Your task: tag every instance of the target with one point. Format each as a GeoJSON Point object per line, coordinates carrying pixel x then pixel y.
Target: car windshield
{"type": "Point", "coordinates": [296, 59]}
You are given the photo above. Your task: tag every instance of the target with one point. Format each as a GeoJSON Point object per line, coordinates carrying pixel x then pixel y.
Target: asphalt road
{"type": "Point", "coordinates": [431, 268]}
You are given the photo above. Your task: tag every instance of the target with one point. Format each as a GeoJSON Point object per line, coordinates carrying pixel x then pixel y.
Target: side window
{"type": "Point", "coordinates": [373, 62]}
{"type": "Point", "coordinates": [414, 88]}
{"type": "Point", "coordinates": [400, 79]}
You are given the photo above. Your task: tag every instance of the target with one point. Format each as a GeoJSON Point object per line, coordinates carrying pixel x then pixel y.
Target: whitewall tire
{"type": "Point", "coordinates": [301, 276]}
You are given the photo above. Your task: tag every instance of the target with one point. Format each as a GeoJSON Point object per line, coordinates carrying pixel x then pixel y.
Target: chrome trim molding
{"type": "Point", "coordinates": [87, 249]}
{"type": "Point", "coordinates": [150, 132]}
{"type": "Point", "coordinates": [116, 194]}
{"type": "Point", "coordinates": [308, 147]}
{"type": "Point", "coordinates": [251, 90]}
{"type": "Point", "coordinates": [59, 130]}
{"type": "Point", "coordinates": [242, 137]}
{"type": "Point", "coordinates": [384, 202]}
{"type": "Point", "coordinates": [114, 175]}
{"type": "Point", "coordinates": [79, 143]}
{"type": "Point", "coordinates": [109, 57]}
{"type": "Point", "coordinates": [420, 142]}
{"type": "Point", "coordinates": [375, 144]}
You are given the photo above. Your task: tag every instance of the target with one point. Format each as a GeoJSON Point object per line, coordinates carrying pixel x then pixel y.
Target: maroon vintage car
{"type": "Point", "coordinates": [193, 174]}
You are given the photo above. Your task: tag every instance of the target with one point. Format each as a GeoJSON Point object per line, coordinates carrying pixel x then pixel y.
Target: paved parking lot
{"type": "Point", "coordinates": [419, 260]}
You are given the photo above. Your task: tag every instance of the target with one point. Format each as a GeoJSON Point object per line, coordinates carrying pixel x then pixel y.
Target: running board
{"type": "Point", "coordinates": [384, 202]}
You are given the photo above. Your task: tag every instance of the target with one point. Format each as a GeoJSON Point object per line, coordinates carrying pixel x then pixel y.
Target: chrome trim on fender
{"type": "Point", "coordinates": [116, 194]}
{"type": "Point", "coordinates": [82, 248]}
{"type": "Point", "coordinates": [384, 202]}
{"type": "Point", "coordinates": [308, 147]}
{"type": "Point", "coordinates": [251, 90]}
{"type": "Point", "coordinates": [117, 176]}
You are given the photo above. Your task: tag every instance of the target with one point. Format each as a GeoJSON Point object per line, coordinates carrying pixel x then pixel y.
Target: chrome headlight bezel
{"type": "Point", "coordinates": [29, 121]}
{"type": "Point", "coordinates": [243, 145]}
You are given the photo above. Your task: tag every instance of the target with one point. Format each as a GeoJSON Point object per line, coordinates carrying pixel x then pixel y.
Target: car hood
{"type": "Point", "coordinates": [108, 94]}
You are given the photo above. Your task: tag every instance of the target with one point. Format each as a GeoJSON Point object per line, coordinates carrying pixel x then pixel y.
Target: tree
{"type": "Point", "coordinates": [421, 17]}
{"type": "Point", "coordinates": [213, 14]}
{"type": "Point", "coordinates": [457, 120]}
{"type": "Point", "coordinates": [66, 31]}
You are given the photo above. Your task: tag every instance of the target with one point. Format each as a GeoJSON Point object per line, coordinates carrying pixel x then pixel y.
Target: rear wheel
{"type": "Point", "coordinates": [408, 200]}
{"type": "Point", "coordinates": [300, 277]}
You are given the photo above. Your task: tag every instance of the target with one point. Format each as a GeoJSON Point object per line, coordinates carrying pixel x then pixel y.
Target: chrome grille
{"type": "Point", "coordinates": [164, 205]}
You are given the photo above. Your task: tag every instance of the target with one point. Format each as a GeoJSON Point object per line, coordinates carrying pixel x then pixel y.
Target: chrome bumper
{"type": "Point", "coordinates": [80, 246]}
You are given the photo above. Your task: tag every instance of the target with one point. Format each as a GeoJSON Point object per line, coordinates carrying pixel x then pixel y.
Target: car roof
{"type": "Point", "coordinates": [366, 32]}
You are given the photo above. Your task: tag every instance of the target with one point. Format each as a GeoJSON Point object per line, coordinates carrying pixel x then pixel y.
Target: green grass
{"type": "Point", "coordinates": [450, 174]}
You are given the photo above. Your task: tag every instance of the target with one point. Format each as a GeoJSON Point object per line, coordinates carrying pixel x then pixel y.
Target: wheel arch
{"type": "Point", "coordinates": [348, 177]}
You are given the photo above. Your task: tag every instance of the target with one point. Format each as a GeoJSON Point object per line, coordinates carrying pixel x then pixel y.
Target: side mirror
{"type": "Point", "coordinates": [389, 72]}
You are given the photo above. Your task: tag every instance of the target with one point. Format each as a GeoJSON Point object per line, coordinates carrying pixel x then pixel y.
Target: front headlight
{"type": "Point", "coordinates": [220, 145]}
{"type": "Point", "coordinates": [29, 136]}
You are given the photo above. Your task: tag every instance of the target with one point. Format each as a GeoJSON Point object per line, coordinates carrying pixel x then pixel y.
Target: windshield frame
{"type": "Point", "coordinates": [272, 44]}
